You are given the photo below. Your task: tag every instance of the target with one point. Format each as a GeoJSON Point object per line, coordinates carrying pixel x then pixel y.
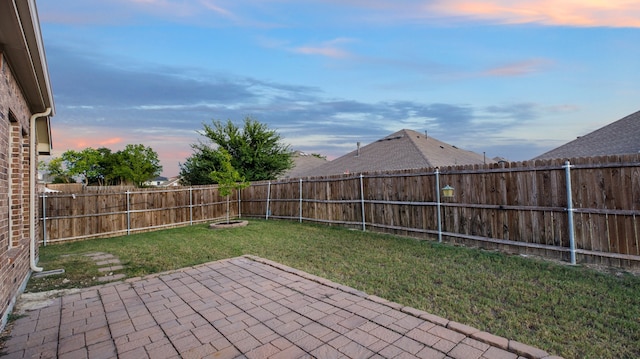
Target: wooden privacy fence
{"type": "Point", "coordinates": [526, 208]}
{"type": "Point", "coordinates": [583, 211]}
{"type": "Point", "coordinates": [93, 214]}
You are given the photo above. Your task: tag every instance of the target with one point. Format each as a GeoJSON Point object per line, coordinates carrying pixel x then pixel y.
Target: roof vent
{"type": "Point", "coordinates": [358, 149]}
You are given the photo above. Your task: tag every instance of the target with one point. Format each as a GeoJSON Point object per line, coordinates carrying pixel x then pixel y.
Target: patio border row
{"type": "Point", "coordinates": [482, 336]}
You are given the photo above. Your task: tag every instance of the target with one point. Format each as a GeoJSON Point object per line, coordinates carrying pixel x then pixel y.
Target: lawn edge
{"type": "Point", "coordinates": [512, 346]}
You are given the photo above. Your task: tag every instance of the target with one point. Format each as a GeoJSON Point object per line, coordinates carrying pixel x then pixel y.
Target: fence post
{"type": "Point", "coordinates": [300, 200]}
{"type": "Point", "coordinates": [268, 196]}
{"type": "Point", "coordinates": [44, 219]}
{"type": "Point", "coordinates": [128, 215]}
{"type": "Point", "coordinates": [364, 225]}
{"type": "Point", "coordinates": [239, 205]}
{"type": "Point", "coordinates": [191, 206]}
{"type": "Point", "coordinates": [572, 242]}
{"type": "Point", "coordinates": [438, 204]}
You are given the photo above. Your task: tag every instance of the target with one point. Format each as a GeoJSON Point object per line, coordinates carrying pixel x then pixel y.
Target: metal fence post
{"type": "Point", "coordinates": [364, 225]}
{"type": "Point", "coordinates": [268, 196]}
{"type": "Point", "coordinates": [438, 205]}
{"type": "Point", "coordinates": [44, 219]}
{"type": "Point", "coordinates": [572, 242]}
{"type": "Point", "coordinates": [239, 205]}
{"type": "Point", "coordinates": [191, 206]}
{"type": "Point", "coordinates": [300, 200]}
{"type": "Point", "coordinates": [128, 215]}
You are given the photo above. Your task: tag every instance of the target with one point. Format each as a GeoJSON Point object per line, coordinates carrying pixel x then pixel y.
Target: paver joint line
{"type": "Point", "coordinates": [463, 329]}
{"type": "Point", "coordinates": [246, 307]}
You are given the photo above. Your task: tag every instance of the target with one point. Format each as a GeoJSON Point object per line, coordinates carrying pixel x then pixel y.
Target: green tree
{"type": "Point", "coordinates": [56, 169]}
{"type": "Point", "coordinates": [83, 164]}
{"type": "Point", "coordinates": [257, 152]}
{"type": "Point", "coordinates": [137, 164]}
{"type": "Point", "coordinates": [103, 174]}
{"type": "Point", "coordinates": [197, 168]}
{"type": "Point", "coordinates": [227, 177]}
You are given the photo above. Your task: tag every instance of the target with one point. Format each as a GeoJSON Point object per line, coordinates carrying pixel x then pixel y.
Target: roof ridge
{"type": "Point", "coordinates": [413, 142]}
{"type": "Point", "coordinates": [617, 137]}
{"type": "Point", "coordinates": [403, 149]}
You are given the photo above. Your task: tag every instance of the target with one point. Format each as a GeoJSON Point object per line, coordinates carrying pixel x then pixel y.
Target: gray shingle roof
{"type": "Point", "coordinates": [302, 162]}
{"type": "Point", "coordinates": [405, 149]}
{"type": "Point", "coordinates": [618, 138]}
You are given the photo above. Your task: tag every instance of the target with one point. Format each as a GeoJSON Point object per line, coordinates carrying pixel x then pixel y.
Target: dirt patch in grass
{"type": "Point", "coordinates": [80, 272]}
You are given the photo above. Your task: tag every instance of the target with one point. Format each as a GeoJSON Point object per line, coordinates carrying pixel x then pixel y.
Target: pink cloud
{"type": "Point", "coordinates": [324, 51]}
{"type": "Point", "coordinates": [69, 139]}
{"type": "Point", "coordinates": [580, 13]}
{"type": "Point", "coordinates": [328, 49]}
{"type": "Point", "coordinates": [110, 141]}
{"type": "Point", "coordinates": [519, 68]}
{"type": "Point", "coordinates": [171, 149]}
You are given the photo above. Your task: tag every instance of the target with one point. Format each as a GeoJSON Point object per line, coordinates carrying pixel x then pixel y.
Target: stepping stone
{"type": "Point", "coordinates": [104, 256]}
{"type": "Point", "coordinates": [110, 261]}
{"type": "Point", "coordinates": [111, 277]}
{"type": "Point", "coordinates": [110, 269]}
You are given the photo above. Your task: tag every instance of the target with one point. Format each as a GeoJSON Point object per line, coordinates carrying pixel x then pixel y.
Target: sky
{"type": "Point", "coordinates": [508, 78]}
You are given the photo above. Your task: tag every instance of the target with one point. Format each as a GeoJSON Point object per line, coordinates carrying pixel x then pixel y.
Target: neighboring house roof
{"type": "Point", "coordinates": [164, 182]}
{"type": "Point", "coordinates": [160, 178]}
{"type": "Point", "coordinates": [21, 43]}
{"type": "Point", "coordinates": [302, 163]}
{"type": "Point", "coordinates": [405, 149]}
{"type": "Point", "coordinates": [173, 182]}
{"type": "Point", "coordinates": [618, 138]}
{"type": "Point", "coordinates": [158, 181]}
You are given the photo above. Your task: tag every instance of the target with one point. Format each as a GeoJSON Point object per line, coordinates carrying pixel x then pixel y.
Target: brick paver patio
{"type": "Point", "coordinates": [244, 307]}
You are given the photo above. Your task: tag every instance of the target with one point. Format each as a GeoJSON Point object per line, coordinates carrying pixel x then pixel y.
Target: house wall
{"type": "Point", "coordinates": [14, 189]}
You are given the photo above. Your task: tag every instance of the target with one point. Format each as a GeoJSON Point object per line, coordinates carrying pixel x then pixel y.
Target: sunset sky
{"type": "Point", "coordinates": [511, 78]}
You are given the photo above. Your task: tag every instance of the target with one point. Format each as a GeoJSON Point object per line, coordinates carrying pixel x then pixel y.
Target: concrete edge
{"type": "Point", "coordinates": [527, 350]}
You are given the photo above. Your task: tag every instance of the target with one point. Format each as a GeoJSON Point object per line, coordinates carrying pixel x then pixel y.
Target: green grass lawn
{"type": "Point", "coordinates": [575, 312]}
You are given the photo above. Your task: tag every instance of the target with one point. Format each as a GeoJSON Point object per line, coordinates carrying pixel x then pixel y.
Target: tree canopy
{"type": "Point", "coordinates": [227, 177]}
{"type": "Point", "coordinates": [84, 164]}
{"type": "Point", "coordinates": [135, 164]}
{"type": "Point", "coordinates": [256, 151]}
{"type": "Point", "coordinates": [57, 171]}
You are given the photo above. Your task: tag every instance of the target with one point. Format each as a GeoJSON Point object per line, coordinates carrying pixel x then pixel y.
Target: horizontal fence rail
{"type": "Point", "coordinates": [515, 207]}
{"type": "Point", "coordinates": [74, 216]}
{"type": "Point", "coordinates": [584, 210]}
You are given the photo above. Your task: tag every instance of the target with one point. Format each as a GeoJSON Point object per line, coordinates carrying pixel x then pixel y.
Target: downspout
{"type": "Point", "coordinates": [33, 159]}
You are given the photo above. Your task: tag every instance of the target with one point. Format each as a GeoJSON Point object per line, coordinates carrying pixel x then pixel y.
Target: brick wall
{"type": "Point", "coordinates": [14, 189]}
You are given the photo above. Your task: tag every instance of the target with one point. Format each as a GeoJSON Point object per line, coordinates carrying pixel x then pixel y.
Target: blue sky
{"type": "Point", "coordinates": [511, 78]}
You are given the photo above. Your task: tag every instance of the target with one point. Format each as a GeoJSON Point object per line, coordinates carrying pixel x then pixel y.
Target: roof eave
{"type": "Point", "coordinates": [22, 44]}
